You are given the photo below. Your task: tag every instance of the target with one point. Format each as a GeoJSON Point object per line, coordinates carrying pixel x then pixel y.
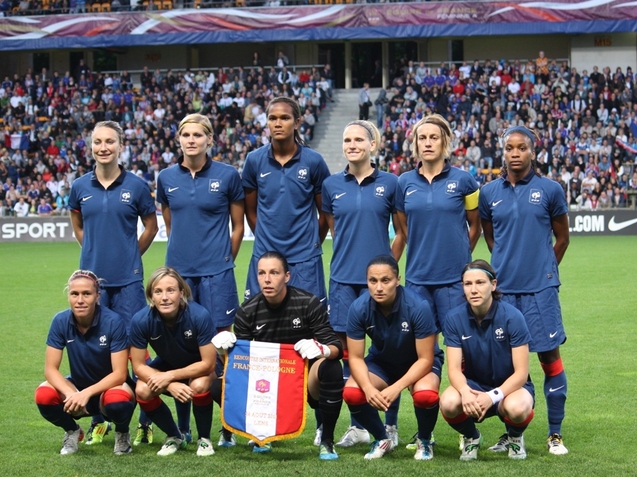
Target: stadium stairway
{"type": "Point", "coordinates": [328, 133]}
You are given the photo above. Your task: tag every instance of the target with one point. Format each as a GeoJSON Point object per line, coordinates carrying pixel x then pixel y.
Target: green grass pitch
{"type": "Point", "coordinates": [598, 301]}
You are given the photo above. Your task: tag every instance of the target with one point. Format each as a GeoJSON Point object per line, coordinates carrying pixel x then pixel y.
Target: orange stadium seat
{"type": "Point", "coordinates": [105, 7]}
{"type": "Point", "coordinates": [196, 4]}
{"type": "Point", "coordinates": [239, 3]}
{"type": "Point", "coordinates": [94, 8]}
{"type": "Point", "coordinates": [166, 5]}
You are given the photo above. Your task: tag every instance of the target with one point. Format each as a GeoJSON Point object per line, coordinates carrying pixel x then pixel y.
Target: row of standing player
{"type": "Point", "coordinates": [285, 183]}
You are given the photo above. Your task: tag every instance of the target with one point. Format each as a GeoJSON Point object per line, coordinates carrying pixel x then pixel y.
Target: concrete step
{"type": "Point", "coordinates": [328, 132]}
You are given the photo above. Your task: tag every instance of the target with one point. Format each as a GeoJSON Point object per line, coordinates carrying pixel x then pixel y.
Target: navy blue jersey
{"type": "Point", "coordinates": [178, 346]}
{"type": "Point", "coordinates": [521, 216]}
{"type": "Point", "coordinates": [486, 347]}
{"type": "Point", "coordinates": [199, 242]}
{"type": "Point", "coordinates": [438, 236]}
{"type": "Point", "coordinates": [394, 336]}
{"type": "Point", "coordinates": [109, 246]}
{"type": "Point", "coordinates": [362, 213]}
{"type": "Point", "coordinates": [286, 208]}
{"type": "Point", "coordinates": [90, 353]}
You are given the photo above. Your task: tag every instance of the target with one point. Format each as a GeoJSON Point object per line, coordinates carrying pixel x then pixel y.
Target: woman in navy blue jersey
{"type": "Point", "coordinates": [199, 197]}
{"type": "Point", "coordinates": [359, 205]}
{"type": "Point", "coordinates": [525, 223]}
{"type": "Point", "coordinates": [97, 346]}
{"type": "Point", "coordinates": [438, 215]}
{"type": "Point", "coordinates": [488, 359]}
{"type": "Point", "coordinates": [106, 205]}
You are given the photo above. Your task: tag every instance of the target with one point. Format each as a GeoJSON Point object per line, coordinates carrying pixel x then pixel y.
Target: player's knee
{"type": "Point", "coordinates": [522, 418]}
{"type": "Point", "coordinates": [354, 396]}
{"type": "Point", "coordinates": [515, 412]}
{"type": "Point", "coordinates": [450, 402]}
{"type": "Point", "coordinates": [425, 399]}
{"type": "Point", "coordinates": [47, 396]}
{"type": "Point", "coordinates": [200, 385]}
{"type": "Point", "coordinates": [142, 391]}
{"type": "Point", "coordinates": [330, 370]}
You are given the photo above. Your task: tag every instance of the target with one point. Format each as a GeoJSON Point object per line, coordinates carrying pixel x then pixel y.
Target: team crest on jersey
{"type": "Point", "coordinates": [188, 334]}
{"type": "Point", "coordinates": [405, 326]}
{"type": "Point", "coordinates": [296, 323]}
{"type": "Point", "coordinates": [214, 185]}
{"type": "Point", "coordinates": [126, 196]}
{"type": "Point", "coordinates": [535, 196]}
{"type": "Point", "coordinates": [499, 334]}
{"type": "Point", "coordinates": [452, 187]}
{"type": "Point", "coordinates": [302, 174]}
{"type": "Point", "coordinates": [103, 341]}
{"type": "Point", "coordinates": [380, 191]}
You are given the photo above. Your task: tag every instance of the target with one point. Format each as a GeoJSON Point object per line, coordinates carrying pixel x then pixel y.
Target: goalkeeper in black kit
{"type": "Point", "coordinates": [285, 314]}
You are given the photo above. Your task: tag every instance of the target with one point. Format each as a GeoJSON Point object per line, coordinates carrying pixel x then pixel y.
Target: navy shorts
{"type": "Point", "coordinates": [125, 301]}
{"type": "Point", "coordinates": [307, 276]}
{"type": "Point", "coordinates": [441, 298]}
{"type": "Point", "coordinates": [218, 295]}
{"type": "Point", "coordinates": [543, 316]}
{"type": "Point", "coordinates": [390, 373]}
{"type": "Point", "coordinates": [342, 295]}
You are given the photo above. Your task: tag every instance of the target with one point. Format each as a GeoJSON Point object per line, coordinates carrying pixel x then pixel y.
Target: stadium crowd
{"type": "Point", "coordinates": [586, 122]}
{"type": "Point", "coordinates": [47, 119]}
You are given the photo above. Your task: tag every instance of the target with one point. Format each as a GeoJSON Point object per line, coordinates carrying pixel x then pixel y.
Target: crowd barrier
{"type": "Point", "coordinates": [58, 229]}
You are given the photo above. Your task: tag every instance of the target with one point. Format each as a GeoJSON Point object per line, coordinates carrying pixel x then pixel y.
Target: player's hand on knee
{"type": "Point", "coordinates": [180, 391]}
{"type": "Point", "coordinates": [224, 341]}
{"type": "Point", "coordinates": [310, 349]}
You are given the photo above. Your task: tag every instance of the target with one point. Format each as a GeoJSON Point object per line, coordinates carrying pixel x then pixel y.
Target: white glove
{"type": "Point", "coordinates": [224, 341]}
{"type": "Point", "coordinates": [311, 349]}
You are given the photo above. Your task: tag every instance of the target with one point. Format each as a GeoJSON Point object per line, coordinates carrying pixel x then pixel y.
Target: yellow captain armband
{"type": "Point", "coordinates": [471, 200]}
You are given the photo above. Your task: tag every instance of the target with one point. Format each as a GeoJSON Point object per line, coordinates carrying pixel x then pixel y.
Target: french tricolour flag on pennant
{"type": "Point", "coordinates": [264, 391]}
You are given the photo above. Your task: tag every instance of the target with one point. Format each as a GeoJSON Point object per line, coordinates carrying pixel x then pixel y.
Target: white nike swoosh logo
{"type": "Point", "coordinates": [171, 189]}
{"type": "Point", "coordinates": [411, 191]}
{"type": "Point", "coordinates": [322, 299]}
{"type": "Point", "coordinates": [466, 337]}
{"type": "Point", "coordinates": [552, 335]}
{"type": "Point", "coordinates": [616, 226]}
{"type": "Point", "coordinates": [338, 196]}
{"type": "Point", "coordinates": [266, 174]}
{"type": "Point", "coordinates": [84, 199]}
{"type": "Point", "coordinates": [551, 390]}
{"type": "Point", "coordinates": [155, 337]}
{"type": "Point", "coordinates": [370, 327]}
{"type": "Point", "coordinates": [70, 341]}
{"type": "Point", "coordinates": [229, 311]}
{"type": "Point", "coordinates": [493, 204]}
{"type": "Point", "coordinates": [332, 402]}
{"type": "Point", "coordinates": [260, 326]}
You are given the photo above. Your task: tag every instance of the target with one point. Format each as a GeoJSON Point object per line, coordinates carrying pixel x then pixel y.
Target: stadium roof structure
{"type": "Point", "coordinates": [317, 23]}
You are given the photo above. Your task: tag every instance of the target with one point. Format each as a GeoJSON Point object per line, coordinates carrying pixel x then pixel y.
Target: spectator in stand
{"type": "Point", "coordinates": [21, 208]}
{"type": "Point", "coordinates": [364, 102]}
